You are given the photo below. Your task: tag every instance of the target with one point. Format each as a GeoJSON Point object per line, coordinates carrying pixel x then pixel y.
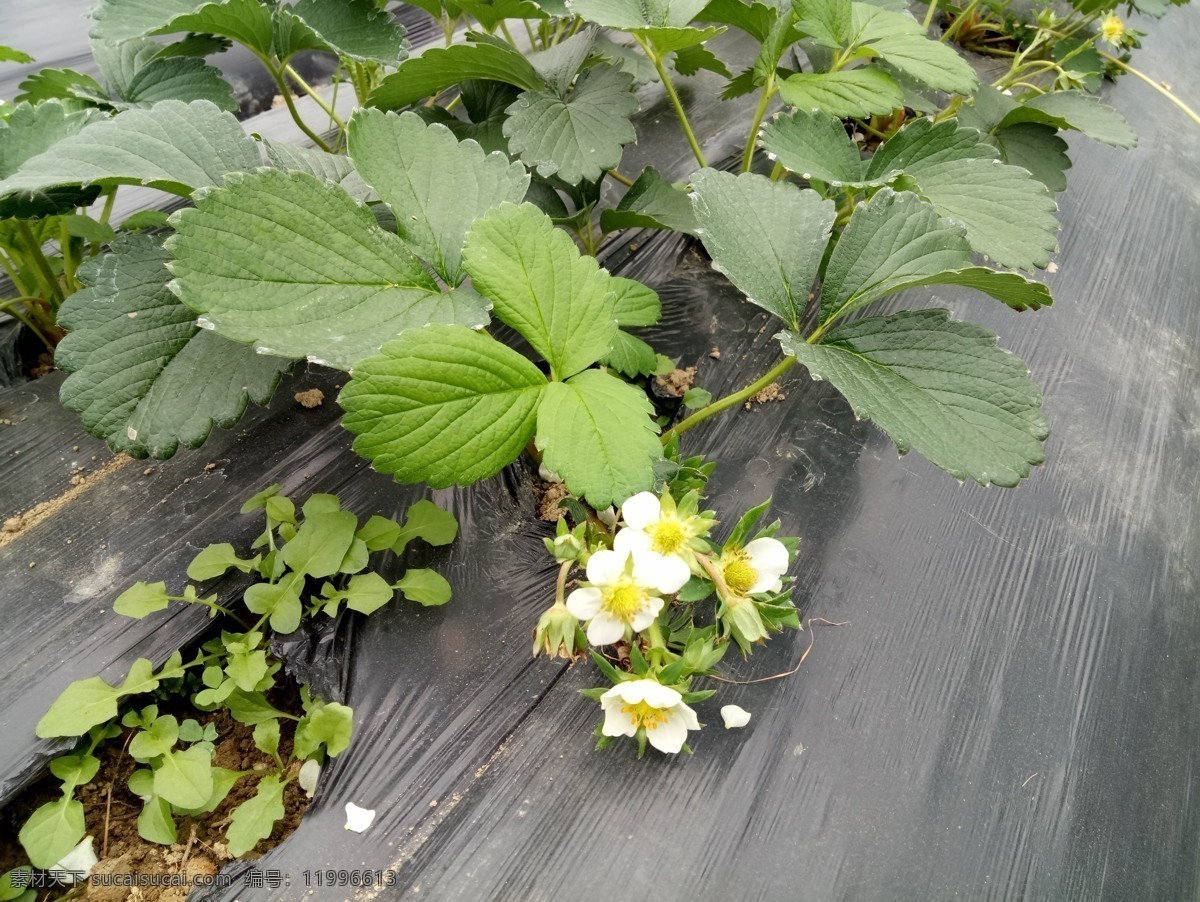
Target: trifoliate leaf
{"type": "Point", "coordinates": [295, 265]}
{"type": "Point", "coordinates": [52, 831]}
{"type": "Point", "coordinates": [136, 74]}
{"type": "Point", "coordinates": [330, 167]}
{"type": "Point", "coordinates": [896, 241]}
{"type": "Point", "coordinates": [328, 724]}
{"type": "Point", "coordinates": [255, 818]}
{"type": "Point", "coordinates": [767, 237]}
{"type": "Point", "coordinates": [88, 703]}
{"type": "Point", "coordinates": [426, 587]}
{"type": "Point", "coordinates": [651, 203]}
{"type": "Point", "coordinates": [141, 600]}
{"type": "Point", "coordinates": [437, 69]}
{"type": "Point", "coordinates": [902, 42]}
{"type": "Point", "coordinates": [597, 432]}
{"type": "Point", "coordinates": [442, 405]}
{"type": "Point", "coordinates": [857, 92]}
{"type": "Point", "coordinates": [829, 22]}
{"type": "Point", "coordinates": [26, 134]}
{"type": "Point", "coordinates": [635, 304]}
{"type": "Point", "coordinates": [426, 521]}
{"type": "Point", "coordinates": [630, 356]}
{"type": "Point", "coordinates": [143, 376]}
{"type": "Point", "coordinates": [155, 822]}
{"type": "Point", "coordinates": [353, 29]}
{"type": "Point", "coordinates": [1037, 148]}
{"type": "Point", "coordinates": [175, 146]}
{"type": "Point", "coordinates": [1076, 110]}
{"type": "Point", "coordinates": [576, 137]}
{"type": "Point", "coordinates": [539, 283]}
{"type": "Point", "coordinates": [1008, 214]}
{"type": "Point", "coordinates": [936, 385]}
{"type": "Point", "coordinates": [814, 146]}
{"type": "Point", "coordinates": [435, 185]}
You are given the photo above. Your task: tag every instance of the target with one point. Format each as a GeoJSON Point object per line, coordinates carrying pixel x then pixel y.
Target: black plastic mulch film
{"type": "Point", "coordinates": [1010, 711]}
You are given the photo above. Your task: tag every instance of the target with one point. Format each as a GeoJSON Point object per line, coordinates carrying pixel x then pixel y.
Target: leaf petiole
{"type": "Point", "coordinates": [729, 400]}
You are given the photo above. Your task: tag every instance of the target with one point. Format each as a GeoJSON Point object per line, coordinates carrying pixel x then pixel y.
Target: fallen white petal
{"type": "Point", "coordinates": [359, 819]}
{"type": "Point", "coordinates": [76, 864]}
{"type": "Point", "coordinates": [310, 773]}
{"type": "Point", "coordinates": [734, 716]}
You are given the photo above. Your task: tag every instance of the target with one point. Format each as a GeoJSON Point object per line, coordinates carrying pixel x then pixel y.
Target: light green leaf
{"type": "Point", "coordinates": [490, 13]}
{"type": "Point", "coordinates": [295, 265]}
{"type": "Point", "coordinates": [258, 500]}
{"type": "Point", "coordinates": [157, 740]}
{"type": "Point", "coordinates": [136, 75]}
{"type": "Point", "coordinates": [540, 284]}
{"type": "Point", "coordinates": [12, 55]}
{"type": "Point", "coordinates": [597, 432]}
{"type": "Point", "coordinates": [1076, 110]}
{"type": "Point", "coordinates": [321, 503]}
{"type": "Point", "coordinates": [330, 167]}
{"type": "Point", "coordinates": [936, 385]}
{"type": "Point", "coordinates": [88, 703]}
{"type": "Point", "coordinates": [143, 376]}
{"type": "Point", "coordinates": [353, 29]}
{"type": "Point", "coordinates": [437, 69]}
{"type": "Point", "coordinates": [223, 781]}
{"type": "Point", "coordinates": [248, 22]}
{"type": "Point", "coordinates": [1037, 148]}
{"type": "Point", "coordinates": [902, 42]}
{"type": "Point", "coordinates": [155, 823]}
{"type": "Point", "coordinates": [175, 146]}
{"type": "Point", "coordinates": [695, 398]}
{"type": "Point", "coordinates": [141, 782]}
{"type": "Point", "coordinates": [579, 136]}
{"type": "Point", "coordinates": [856, 92]}
{"type": "Point", "coordinates": [321, 544]}
{"type": "Point", "coordinates": [379, 532]}
{"type": "Point", "coordinates": [635, 304]}
{"type": "Point", "coordinates": [251, 708]}
{"type": "Point", "coordinates": [356, 558]}
{"type": "Point", "coordinates": [15, 885]}
{"type": "Point", "coordinates": [52, 831]}
{"type": "Point", "coordinates": [75, 770]}
{"type": "Point", "coordinates": [247, 668]}
{"type": "Point", "coordinates": [425, 520]}
{"type": "Point", "coordinates": [141, 600]}
{"type": "Point", "coordinates": [366, 593]}
{"type": "Point", "coordinates": [266, 737]}
{"type": "Point", "coordinates": [435, 185]}
{"type": "Point", "coordinates": [896, 241]}
{"type": "Point", "coordinates": [281, 600]}
{"type": "Point", "coordinates": [184, 777]}
{"type": "Point", "coordinates": [255, 818]}
{"type": "Point", "coordinates": [1008, 214]}
{"type": "Point", "coordinates": [814, 146]}
{"type": "Point", "coordinates": [215, 560]}
{"type": "Point", "coordinates": [767, 237]}
{"type": "Point", "coordinates": [651, 203]}
{"type": "Point", "coordinates": [442, 405]}
{"type": "Point", "coordinates": [630, 356]}
{"type": "Point", "coordinates": [426, 587]}
{"type": "Point", "coordinates": [635, 15]}
{"type": "Point", "coordinates": [327, 723]}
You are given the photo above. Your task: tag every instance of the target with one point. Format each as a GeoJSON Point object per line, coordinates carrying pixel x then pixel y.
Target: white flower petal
{"type": "Point", "coordinates": [584, 603]}
{"type": "Point", "coordinates": [605, 567]}
{"type": "Point", "coordinates": [689, 716]}
{"type": "Point", "coordinates": [769, 555]}
{"type": "Point", "coordinates": [548, 475]}
{"type": "Point", "coordinates": [668, 736]}
{"type": "Point", "coordinates": [734, 716]}
{"type": "Point", "coordinates": [359, 819]}
{"type": "Point", "coordinates": [652, 692]}
{"type": "Point", "coordinates": [310, 773]}
{"type": "Point", "coordinates": [617, 723]}
{"type": "Point", "coordinates": [629, 541]}
{"type": "Point", "coordinates": [641, 510]}
{"type": "Point", "coordinates": [76, 864]}
{"type": "Point", "coordinates": [646, 616]}
{"type": "Point", "coordinates": [604, 629]}
{"type": "Point", "coordinates": [659, 572]}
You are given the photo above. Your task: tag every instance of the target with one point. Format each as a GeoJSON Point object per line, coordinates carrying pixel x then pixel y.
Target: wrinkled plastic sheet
{"type": "Point", "coordinates": [1008, 712]}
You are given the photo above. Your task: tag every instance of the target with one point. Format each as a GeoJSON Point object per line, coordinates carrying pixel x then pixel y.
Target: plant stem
{"type": "Point", "coordinates": [957, 24]}
{"type": "Point", "coordinates": [1152, 83]}
{"type": "Point", "coordinates": [929, 14]}
{"type": "Point", "coordinates": [670, 89]}
{"type": "Point", "coordinates": [27, 318]}
{"type": "Point", "coordinates": [729, 400]}
{"type": "Point", "coordinates": [281, 83]}
{"type": "Point", "coordinates": [764, 100]}
{"type": "Point", "coordinates": [560, 588]}
{"type": "Point", "coordinates": [39, 261]}
{"type": "Point", "coordinates": [623, 179]}
{"type": "Point", "coordinates": [311, 92]}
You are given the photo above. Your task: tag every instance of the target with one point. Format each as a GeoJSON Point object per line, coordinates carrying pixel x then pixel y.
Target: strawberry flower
{"type": "Point", "coordinates": [648, 705]}
{"type": "Point", "coordinates": [623, 591]}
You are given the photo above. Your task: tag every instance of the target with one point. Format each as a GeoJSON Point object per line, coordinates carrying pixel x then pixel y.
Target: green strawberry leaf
{"type": "Point", "coordinates": [815, 146]}
{"type": "Point", "coordinates": [437, 69]}
{"type": "Point", "coordinates": [651, 203]}
{"type": "Point", "coordinates": [856, 92]}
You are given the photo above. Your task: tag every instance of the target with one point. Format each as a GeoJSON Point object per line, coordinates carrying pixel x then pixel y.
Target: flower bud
{"type": "Point", "coordinates": [556, 634]}
{"type": "Point", "coordinates": [744, 622]}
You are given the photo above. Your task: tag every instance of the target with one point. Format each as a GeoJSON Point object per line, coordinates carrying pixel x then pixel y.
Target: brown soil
{"type": "Point", "coordinates": [546, 496]}
{"type": "Point", "coordinates": [677, 382]}
{"type": "Point", "coordinates": [43, 367]}
{"type": "Point", "coordinates": [310, 398]}
{"type": "Point", "coordinates": [81, 480]}
{"type": "Point", "coordinates": [111, 811]}
{"type": "Point", "coordinates": [771, 393]}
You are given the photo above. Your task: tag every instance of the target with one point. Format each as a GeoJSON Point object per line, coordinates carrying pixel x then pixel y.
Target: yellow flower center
{"type": "Point", "coordinates": [667, 536]}
{"type": "Point", "coordinates": [644, 714]}
{"type": "Point", "coordinates": [740, 576]}
{"type": "Point", "coordinates": [624, 599]}
{"type": "Point", "coordinates": [1112, 29]}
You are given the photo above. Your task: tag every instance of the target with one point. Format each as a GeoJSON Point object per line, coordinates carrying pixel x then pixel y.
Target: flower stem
{"type": "Point", "coordinates": [1152, 83]}
{"type": "Point", "coordinates": [729, 400]}
{"type": "Point", "coordinates": [308, 89]}
{"type": "Point", "coordinates": [623, 179]}
{"type": "Point", "coordinates": [39, 261]}
{"type": "Point", "coordinates": [675, 101]}
{"type": "Point", "coordinates": [560, 587]}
